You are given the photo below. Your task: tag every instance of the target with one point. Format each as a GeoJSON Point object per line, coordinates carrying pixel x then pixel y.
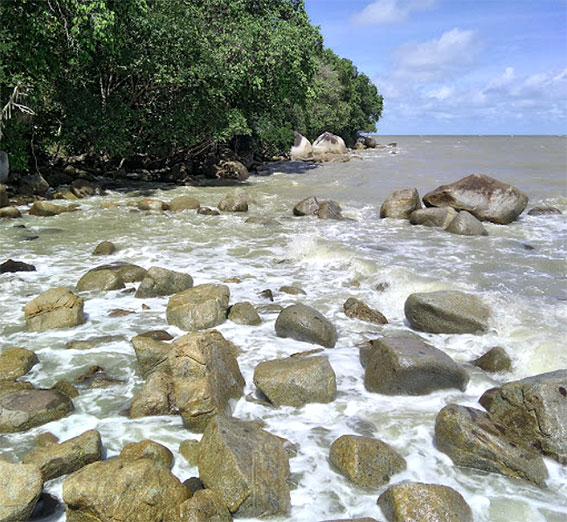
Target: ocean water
{"type": "Point", "coordinates": [519, 270]}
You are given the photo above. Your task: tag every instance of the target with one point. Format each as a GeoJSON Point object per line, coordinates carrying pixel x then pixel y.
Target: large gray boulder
{"type": "Point", "coordinates": [295, 381]}
{"type": "Point", "coordinates": [206, 376]}
{"type": "Point", "coordinates": [4, 168]}
{"type": "Point", "coordinates": [301, 147]}
{"type": "Point", "coordinates": [304, 323]}
{"type": "Point", "coordinates": [494, 360]}
{"type": "Point", "coordinates": [433, 217]}
{"type": "Point", "coordinates": [160, 281]}
{"type": "Point", "coordinates": [465, 224]}
{"type": "Point", "coordinates": [447, 312]}
{"type": "Point", "coordinates": [26, 408]}
{"type": "Point", "coordinates": [56, 460]}
{"type": "Point", "coordinates": [199, 308]}
{"type": "Point", "coordinates": [365, 461]}
{"type": "Point", "coordinates": [246, 466]}
{"type": "Point", "coordinates": [533, 411]}
{"type": "Point", "coordinates": [400, 204]}
{"type": "Point", "coordinates": [484, 197]}
{"type": "Point", "coordinates": [20, 488]}
{"type": "Point", "coordinates": [329, 143]}
{"type": "Point", "coordinates": [409, 366]}
{"type": "Point", "coordinates": [55, 308]}
{"type": "Point", "coordinates": [472, 440]}
{"type": "Point", "coordinates": [415, 501]}
{"type": "Point", "coordinates": [16, 362]}
{"type": "Point", "coordinates": [100, 280]}
{"type": "Point", "coordinates": [120, 490]}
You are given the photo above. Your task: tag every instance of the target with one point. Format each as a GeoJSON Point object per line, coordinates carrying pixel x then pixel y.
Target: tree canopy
{"type": "Point", "coordinates": [121, 77]}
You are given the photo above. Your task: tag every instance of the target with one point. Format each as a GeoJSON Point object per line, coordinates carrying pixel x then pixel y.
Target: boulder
{"type": "Point", "coordinates": [329, 143]}
{"type": "Point", "coordinates": [447, 312]}
{"type": "Point", "coordinates": [329, 210]}
{"type": "Point", "coordinates": [56, 460]}
{"type": "Point", "coordinates": [246, 466]}
{"type": "Point", "coordinates": [301, 147]}
{"type": "Point", "coordinates": [16, 362]}
{"type": "Point", "coordinates": [484, 197]}
{"type": "Point", "coordinates": [533, 412]}
{"type": "Point", "coordinates": [206, 211]}
{"type": "Point", "coordinates": [26, 408]}
{"type": "Point", "coordinates": [120, 490]}
{"type": "Point", "coordinates": [33, 185]}
{"type": "Point", "coordinates": [4, 168]}
{"type": "Point", "coordinates": [98, 280]}
{"type": "Point", "coordinates": [244, 313]}
{"type": "Point", "coordinates": [9, 212]}
{"type": "Point", "coordinates": [295, 381]}
{"type": "Point", "coordinates": [205, 376]}
{"type": "Point", "coordinates": [148, 449]}
{"type": "Point", "coordinates": [55, 308]}
{"type": "Point", "coordinates": [198, 308]}
{"type": "Point", "coordinates": [82, 188]}
{"type": "Point", "coordinates": [3, 196]}
{"type": "Point", "coordinates": [20, 488]}
{"type": "Point", "coordinates": [129, 273]}
{"type": "Point", "coordinates": [365, 461]}
{"type": "Point", "coordinates": [408, 366]}
{"type": "Point", "coordinates": [8, 387]}
{"type": "Point", "coordinates": [152, 355]}
{"type": "Point", "coordinates": [232, 169]}
{"type": "Point", "coordinates": [544, 211]}
{"type": "Point", "coordinates": [237, 201]}
{"type": "Point", "coordinates": [304, 323]}
{"type": "Point", "coordinates": [306, 207]}
{"type": "Point", "coordinates": [160, 281]}
{"type": "Point", "coordinates": [433, 217]}
{"type": "Point", "coordinates": [156, 397]}
{"type": "Point", "coordinates": [465, 224]}
{"type": "Point", "coordinates": [472, 440]}
{"type": "Point", "coordinates": [369, 142]}
{"type": "Point", "coordinates": [189, 449]}
{"type": "Point", "coordinates": [400, 204]}
{"type": "Point", "coordinates": [204, 506]}
{"type": "Point", "coordinates": [46, 209]}
{"type": "Point", "coordinates": [414, 501]}
{"type": "Point", "coordinates": [183, 203]}
{"type": "Point", "coordinates": [356, 309]}
{"type": "Point", "coordinates": [495, 360]}
{"type": "Point", "coordinates": [16, 266]}
{"type": "Point", "coordinates": [292, 290]}
{"type": "Point", "coordinates": [105, 248]}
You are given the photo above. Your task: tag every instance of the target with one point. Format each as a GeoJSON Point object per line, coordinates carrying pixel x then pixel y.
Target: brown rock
{"type": "Point", "coordinates": [16, 362]}
{"type": "Point", "coordinates": [205, 506]}
{"type": "Point", "coordinates": [356, 309]}
{"type": "Point", "coordinates": [180, 203]}
{"type": "Point", "coordinates": [105, 248]}
{"type": "Point", "coordinates": [55, 308]}
{"type": "Point", "coordinates": [495, 360]}
{"type": "Point", "coordinates": [155, 398]}
{"type": "Point", "coordinates": [148, 449]}
{"type": "Point", "coordinates": [20, 488]}
{"type": "Point", "coordinates": [400, 204]}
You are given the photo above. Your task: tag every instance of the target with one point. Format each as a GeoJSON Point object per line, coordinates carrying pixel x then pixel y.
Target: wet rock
{"type": "Point", "coordinates": [55, 308]}
{"type": "Point", "coordinates": [16, 362]}
{"type": "Point", "coordinates": [93, 342]}
{"type": "Point", "coordinates": [301, 147]}
{"type": "Point", "coordinates": [152, 355]}
{"type": "Point", "coordinates": [56, 460]}
{"type": "Point", "coordinates": [268, 294]}
{"type": "Point", "coordinates": [82, 188]}
{"type": "Point", "coordinates": [160, 281]}
{"type": "Point", "coordinates": [465, 224]}
{"type": "Point", "coordinates": [544, 211]}
{"type": "Point", "coordinates": [408, 366]}
{"type": "Point", "coordinates": [447, 312]}
{"type": "Point", "coordinates": [193, 484]}
{"type": "Point", "coordinates": [65, 194]}
{"type": "Point", "coordinates": [365, 461]}
{"type": "Point", "coordinates": [400, 204]}
{"type": "Point", "coordinates": [184, 203]}
{"type": "Point", "coordinates": [129, 273]}
{"type": "Point", "coordinates": [329, 143]}
{"type": "Point", "coordinates": [156, 397]}
{"type": "Point", "coordinates": [329, 210]}
{"type": "Point", "coordinates": [10, 212]}
{"type": "Point", "coordinates": [46, 439]}
{"type": "Point", "coordinates": [232, 170]}
{"type": "Point", "coordinates": [414, 501]}
{"type": "Point", "coordinates": [66, 388]}
{"type": "Point", "coordinates": [100, 281]}
{"type": "Point", "coordinates": [123, 490]}
{"type": "Point", "coordinates": [120, 312]}
{"type": "Point", "coordinates": [47, 209]}
{"type": "Point", "coordinates": [244, 313]}
{"type": "Point", "coordinates": [306, 207]}
{"type": "Point", "coordinates": [246, 466]}
{"type": "Point", "coordinates": [205, 376]}
{"type": "Point", "coordinates": [356, 309]}
{"type": "Point", "coordinates": [495, 360]}
{"type": "Point", "coordinates": [189, 449]}
{"type": "Point", "coordinates": [157, 335]}
{"type": "Point", "coordinates": [484, 197]}
{"type": "Point", "coordinates": [433, 217]}
{"type": "Point", "coordinates": [199, 308]}
{"type": "Point", "coordinates": [25, 409]}
{"type": "Point", "coordinates": [295, 381]}
{"type": "Point", "coordinates": [105, 248]}
{"type": "Point", "coordinates": [148, 449]}
{"type": "Point", "coordinates": [304, 323]}
{"type": "Point", "coordinates": [269, 309]}
{"type": "Point", "coordinates": [206, 211]}
{"type": "Point", "coordinates": [292, 290]}
{"type": "Point", "coordinates": [154, 205]}
{"type": "Point", "coordinates": [267, 222]}
{"type": "Point", "coordinates": [237, 201]}
{"type": "Point", "coordinates": [20, 488]}
{"type": "Point", "coordinates": [533, 411]}
{"type": "Point", "coordinates": [205, 506]}
{"type": "Point", "coordinates": [8, 387]}
{"type": "Point", "coordinates": [472, 440]}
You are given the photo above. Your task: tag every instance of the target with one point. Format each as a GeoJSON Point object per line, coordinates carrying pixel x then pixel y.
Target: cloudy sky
{"type": "Point", "coordinates": [456, 66]}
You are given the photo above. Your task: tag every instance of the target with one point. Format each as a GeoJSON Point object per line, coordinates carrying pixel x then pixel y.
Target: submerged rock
{"type": "Point", "coordinates": [356, 309]}
{"type": "Point", "coordinates": [306, 207]}
{"type": "Point", "coordinates": [465, 224]}
{"type": "Point", "coordinates": [484, 197]}
{"type": "Point", "coordinates": [237, 201]}
{"type": "Point", "coordinates": [55, 308]}
{"type": "Point", "coordinates": [433, 217]}
{"type": "Point", "coordinates": [180, 203]}
{"type": "Point", "coordinates": [400, 204]}
{"type": "Point", "coordinates": [244, 313]}
{"type": "Point", "coordinates": [160, 282]}
{"type": "Point", "coordinates": [128, 272]}
{"type": "Point", "coordinates": [329, 210]}
{"type": "Point", "coordinates": [472, 440]}
{"type": "Point", "coordinates": [15, 266]}
{"type": "Point", "coordinates": [105, 248]}
{"type": "Point", "coordinates": [304, 323]}
{"type": "Point", "coordinates": [20, 488]}
{"type": "Point", "coordinates": [544, 211]}
{"type": "Point", "coordinates": [100, 280]}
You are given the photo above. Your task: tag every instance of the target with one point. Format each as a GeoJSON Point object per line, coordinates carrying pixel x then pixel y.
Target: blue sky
{"type": "Point", "coordinates": [456, 66]}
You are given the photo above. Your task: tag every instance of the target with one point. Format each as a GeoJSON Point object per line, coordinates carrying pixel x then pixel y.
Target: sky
{"type": "Point", "coordinates": [456, 66]}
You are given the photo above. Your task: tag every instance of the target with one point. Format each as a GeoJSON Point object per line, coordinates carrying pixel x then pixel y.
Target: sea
{"type": "Point", "coordinates": [519, 270]}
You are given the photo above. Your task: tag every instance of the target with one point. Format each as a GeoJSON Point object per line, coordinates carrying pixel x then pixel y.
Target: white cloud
{"type": "Point", "coordinates": [390, 11]}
